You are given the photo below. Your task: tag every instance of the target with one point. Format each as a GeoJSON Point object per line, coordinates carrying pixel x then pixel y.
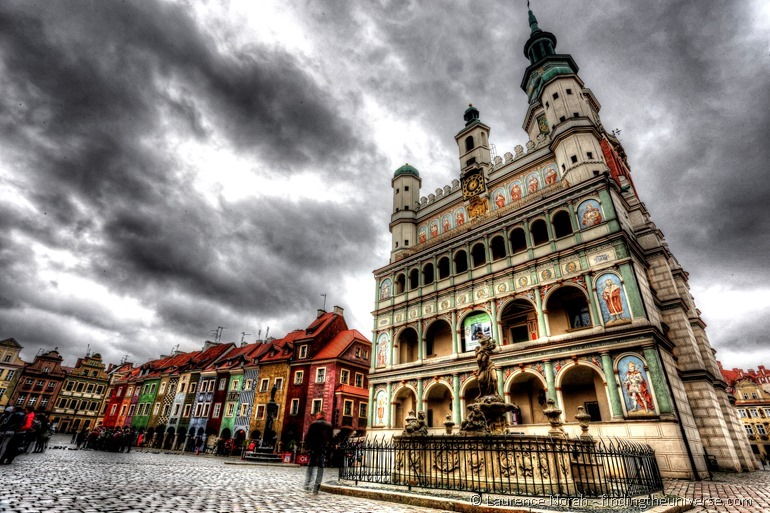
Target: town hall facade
{"type": "Point", "coordinates": [549, 251]}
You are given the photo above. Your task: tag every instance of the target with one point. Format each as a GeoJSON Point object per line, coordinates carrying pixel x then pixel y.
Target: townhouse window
{"type": "Point", "coordinates": [347, 408]}
{"type": "Point", "coordinates": [230, 409]}
{"type": "Point", "coordinates": [320, 375]}
{"type": "Point", "coordinates": [767, 411]}
{"type": "Point", "coordinates": [90, 388]}
{"type": "Point", "coordinates": [166, 409]}
{"type": "Point", "coordinates": [344, 376]}
{"type": "Point", "coordinates": [2, 391]}
{"type": "Point", "coordinates": [9, 376]}
{"type": "Point", "coordinates": [303, 351]}
{"type": "Point", "coordinates": [244, 409]}
{"type": "Point", "coordinates": [217, 410]}
{"type": "Point", "coordinates": [44, 402]}
{"type": "Point", "coordinates": [186, 411]}
{"type": "Point", "coordinates": [51, 384]}
{"type": "Point", "coordinates": [176, 409]}
{"type": "Point", "coordinates": [260, 411]}
{"type": "Point", "coordinates": [749, 429]}
{"type": "Point", "coordinates": [248, 384]}
{"type": "Point", "coordinates": [182, 387]}
{"type": "Point", "coordinates": [63, 403]}
{"type": "Point", "coordinates": [40, 383]}
{"type": "Point", "coordinates": [206, 408]}
{"type": "Point", "coordinates": [131, 410]}
{"type": "Point", "coordinates": [362, 410]}
{"type": "Point", "coordinates": [234, 385]}
{"type": "Point", "coordinates": [761, 429]}
{"type": "Point", "coordinates": [279, 383]}
{"type": "Point", "coordinates": [20, 399]}
{"type": "Point", "coordinates": [299, 377]}
{"type": "Point", "coordinates": [222, 383]}
{"type": "Point", "coordinates": [754, 413]}
{"type": "Point", "coordinates": [745, 395]}
{"type": "Point", "coordinates": [156, 409]}
{"type": "Point", "coordinates": [294, 409]}
{"type": "Point", "coordinates": [754, 395]}
{"type": "Point", "coordinates": [69, 386]}
{"type": "Point", "coordinates": [32, 400]}
{"type": "Point", "coordinates": [359, 380]}
{"type": "Point", "coordinates": [317, 406]}
{"type": "Point", "coordinates": [193, 387]}
{"type": "Point", "coordinates": [130, 391]}
{"type": "Point", "coordinates": [742, 413]}
{"type": "Point", "coordinates": [263, 384]}
{"type": "Point", "coordinates": [7, 358]}
{"type": "Point", "coordinates": [198, 408]}
{"type": "Point", "coordinates": [123, 410]}
{"type": "Point", "coordinates": [162, 388]}
{"type": "Point", "coordinates": [358, 352]}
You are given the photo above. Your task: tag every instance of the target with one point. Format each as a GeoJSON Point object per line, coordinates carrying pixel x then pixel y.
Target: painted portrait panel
{"type": "Point", "coordinates": [460, 216]}
{"type": "Point", "coordinates": [533, 183]}
{"type": "Point", "coordinates": [515, 191]}
{"type": "Point", "coordinates": [380, 408]}
{"type": "Point", "coordinates": [498, 198]}
{"type": "Point", "coordinates": [635, 383]}
{"type": "Point", "coordinates": [550, 175]}
{"type": "Point", "coordinates": [612, 299]}
{"type": "Point", "coordinates": [446, 223]}
{"type": "Point", "coordinates": [433, 228]}
{"type": "Point", "coordinates": [382, 350]}
{"type": "Point", "coordinates": [386, 288]}
{"type": "Point", "coordinates": [422, 234]}
{"type": "Point", "coordinates": [589, 214]}
{"type": "Point", "coordinates": [474, 327]}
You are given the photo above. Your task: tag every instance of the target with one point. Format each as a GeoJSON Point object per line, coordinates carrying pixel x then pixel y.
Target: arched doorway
{"type": "Point", "coordinates": [567, 310]}
{"type": "Point", "coordinates": [581, 385]}
{"type": "Point", "coordinates": [407, 350]}
{"type": "Point", "coordinates": [438, 404]}
{"type": "Point", "coordinates": [519, 322]}
{"type": "Point", "coordinates": [226, 434]}
{"type": "Point", "coordinates": [528, 393]}
{"type": "Point", "coordinates": [405, 401]}
{"type": "Point", "coordinates": [438, 339]}
{"type": "Point", "coordinates": [469, 394]}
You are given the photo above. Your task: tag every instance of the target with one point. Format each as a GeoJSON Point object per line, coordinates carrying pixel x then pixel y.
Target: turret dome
{"type": "Point", "coordinates": [406, 169]}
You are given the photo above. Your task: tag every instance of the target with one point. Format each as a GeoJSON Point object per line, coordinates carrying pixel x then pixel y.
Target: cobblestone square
{"type": "Point", "coordinates": [65, 481]}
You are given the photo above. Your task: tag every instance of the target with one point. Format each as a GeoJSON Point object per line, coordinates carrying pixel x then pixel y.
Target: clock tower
{"type": "Point", "coordinates": [475, 161]}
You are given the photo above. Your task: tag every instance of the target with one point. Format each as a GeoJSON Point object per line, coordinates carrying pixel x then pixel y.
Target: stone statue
{"type": "Point", "coordinates": [415, 426]}
{"type": "Point", "coordinates": [475, 420]}
{"type": "Point", "coordinates": [486, 375]}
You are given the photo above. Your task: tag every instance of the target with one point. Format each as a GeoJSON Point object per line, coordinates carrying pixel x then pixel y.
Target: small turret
{"type": "Point", "coordinates": [473, 141]}
{"type": "Point", "coordinates": [406, 196]}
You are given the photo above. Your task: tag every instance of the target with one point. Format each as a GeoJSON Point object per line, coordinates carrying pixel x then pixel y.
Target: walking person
{"type": "Point", "coordinates": [43, 433]}
{"type": "Point", "coordinates": [6, 430]}
{"type": "Point", "coordinates": [14, 425]}
{"type": "Point", "coordinates": [80, 440]}
{"type": "Point", "coordinates": [317, 440]}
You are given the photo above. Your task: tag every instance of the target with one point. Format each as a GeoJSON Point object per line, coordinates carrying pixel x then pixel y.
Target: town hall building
{"type": "Point", "coordinates": [550, 251]}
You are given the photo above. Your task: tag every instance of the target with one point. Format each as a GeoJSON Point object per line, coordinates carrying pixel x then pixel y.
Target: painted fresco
{"type": "Point", "coordinates": [550, 175]}
{"type": "Point", "coordinates": [533, 183]}
{"type": "Point", "coordinates": [460, 216]}
{"type": "Point", "coordinates": [386, 288]}
{"type": "Point", "coordinates": [515, 190]}
{"type": "Point", "coordinates": [446, 223]}
{"type": "Point", "coordinates": [382, 350]}
{"type": "Point", "coordinates": [612, 299]}
{"type": "Point", "coordinates": [498, 198]}
{"type": "Point", "coordinates": [590, 213]}
{"type": "Point", "coordinates": [474, 327]}
{"type": "Point", "coordinates": [635, 384]}
{"type": "Point", "coordinates": [380, 408]}
{"type": "Point", "coordinates": [422, 234]}
{"type": "Point", "coordinates": [433, 229]}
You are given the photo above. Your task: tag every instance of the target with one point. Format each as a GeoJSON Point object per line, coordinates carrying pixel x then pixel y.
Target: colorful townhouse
{"type": "Point", "coordinates": [233, 365]}
{"type": "Point", "coordinates": [81, 398]}
{"type": "Point", "coordinates": [114, 397]}
{"type": "Point", "coordinates": [245, 408]}
{"type": "Point", "coordinates": [40, 382]}
{"type": "Point", "coordinates": [11, 366]}
{"type": "Point", "coordinates": [749, 392]}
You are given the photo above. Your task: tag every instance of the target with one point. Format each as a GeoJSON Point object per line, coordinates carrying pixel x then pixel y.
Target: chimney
{"type": "Point", "coordinates": [320, 312]}
{"type": "Point", "coordinates": [208, 344]}
{"type": "Point", "coordinates": [339, 310]}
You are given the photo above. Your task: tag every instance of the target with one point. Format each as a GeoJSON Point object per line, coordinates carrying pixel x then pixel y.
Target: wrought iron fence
{"type": "Point", "coordinates": [510, 465]}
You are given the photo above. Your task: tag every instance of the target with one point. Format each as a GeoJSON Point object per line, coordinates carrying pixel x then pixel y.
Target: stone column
{"type": "Point", "coordinates": [542, 329]}
{"type": "Point", "coordinates": [389, 411]}
{"type": "Point", "coordinates": [635, 302]}
{"type": "Point", "coordinates": [495, 327]}
{"type": "Point", "coordinates": [420, 343]}
{"type": "Point", "coordinates": [500, 384]}
{"type": "Point", "coordinates": [655, 370]}
{"type": "Point", "coordinates": [550, 382]}
{"type": "Point", "coordinates": [370, 407]}
{"type": "Point", "coordinates": [456, 418]}
{"type": "Point", "coordinates": [419, 404]}
{"type": "Point", "coordinates": [455, 338]}
{"type": "Point", "coordinates": [612, 386]}
{"type": "Point", "coordinates": [596, 315]}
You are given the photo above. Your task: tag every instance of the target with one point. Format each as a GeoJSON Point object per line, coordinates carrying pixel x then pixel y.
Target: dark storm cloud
{"type": "Point", "coordinates": [86, 85]}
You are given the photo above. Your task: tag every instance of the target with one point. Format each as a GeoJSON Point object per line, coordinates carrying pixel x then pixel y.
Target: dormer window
{"type": "Point", "coordinates": [303, 351]}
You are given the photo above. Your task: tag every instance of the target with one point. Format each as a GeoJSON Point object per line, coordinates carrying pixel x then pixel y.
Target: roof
{"type": "Point", "coordinates": [406, 169]}
{"type": "Point", "coordinates": [351, 390]}
{"type": "Point", "coordinates": [337, 346]}
{"type": "Point", "coordinates": [282, 348]}
{"type": "Point", "coordinates": [236, 357]}
{"type": "Point", "coordinates": [734, 375]}
{"type": "Point", "coordinates": [10, 342]}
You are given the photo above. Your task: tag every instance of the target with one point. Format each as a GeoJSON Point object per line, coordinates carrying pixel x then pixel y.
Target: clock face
{"type": "Point", "coordinates": [473, 185]}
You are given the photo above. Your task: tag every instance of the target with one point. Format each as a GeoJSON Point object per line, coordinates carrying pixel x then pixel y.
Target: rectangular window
{"type": "Point", "coordinates": [198, 408]}
{"type": "Point", "coordinates": [234, 385]}
{"type": "Point", "coordinates": [569, 91]}
{"type": "Point", "coordinates": [294, 410]}
{"type": "Point", "coordinates": [206, 408]}
{"type": "Point", "coordinates": [742, 413]}
{"type": "Point", "coordinates": [573, 158]}
{"type": "Point", "coordinates": [28, 381]}
{"type": "Point", "coordinates": [754, 413]}
{"type": "Point", "coordinates": [7, 358]}
{"type": "Point", "coordinates": [222, 383]}
{"type": "Point", "coordinates": [303, 351]}
{"type": "Point", "coordinates": [176, 409]}
{"type": "Point", "coordinates": [217, 410]}
{"type": "Point", "coordinates": [182, 387]}
{"type": "Point", "coordinates": [362, 410]}
{"type": "Point", "coordinates": [248, 384]}
{"type": "Point", "coordinates": [156, 409]}
{"type": "Point", "coordinates": [90, 388]}
{"type": "Point", "coordinates": [749, 429]}
{"type": "Point", "coordinates": [260, 411]}
{"type": "Point", "coordinates": [244, 409]}
{"type": "Point", "coordinates": [279, 383]}
{"type": "Point", "coordinates": [767, 412]}
{"type": "Point", "coordinates": [347, 408]}
{"type": "Point", "coordinates": [320, 375]}
{"type": "Point", "coordinates": [40, 383]}
{"type": "Point", "coordinates": [162, 388]}
{"type": "Point", "coordinates": [230, 409]}
{"type": "Point", "coordinates": [131, 410]}
{"type": "Point", "coordinates": [264, 384]}
{"type": "Point", "coordinates": [112, 410]}
{"type": "Point", "coordinates": [317, 406]}
{"type": "Point", "coordinates": [299, 377]}
{"type": "Point", "coordinates": [590, 155]}
{"type": "Point", "coordinates": [754, 395]}
{"type": "Point", "coordinates": [555, 96]}
{"type": "Point", "coordinates": [359, 380]}
{"type": "Point", "coordinates": [186, 411]}
{"type": "Point", "coordinates": [123, 410]}
{"type": "Point", "coordinates": [51, 384]}
{"type": "Point", "coordinates": [10, 375]}
{"type": "Point", "coordinates": [152, 388]}
{"type": "Point", "coordinates": [761, 429]}
{"type": "Point", "coordinates": [69, 386]}
{"type": "Point", "coordinates": [344, 376]}
{"type": "Point", "coordinates": [99, 389]}
{"type": "Point", "coordinates": [193, 387]}
{"type": "Point", "coordinates": [166, 409]}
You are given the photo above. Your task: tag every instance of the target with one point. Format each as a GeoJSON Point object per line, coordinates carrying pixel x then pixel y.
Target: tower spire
{"type": "Point", "coordinates": [532, 19]}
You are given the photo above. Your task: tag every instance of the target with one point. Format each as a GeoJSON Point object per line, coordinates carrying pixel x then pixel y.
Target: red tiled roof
{"type": "Point", "coordinates": [339, 344]}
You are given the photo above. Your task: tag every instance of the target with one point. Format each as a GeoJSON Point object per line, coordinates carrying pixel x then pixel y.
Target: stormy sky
{"type": "Point", "coordinates": [170, 167]}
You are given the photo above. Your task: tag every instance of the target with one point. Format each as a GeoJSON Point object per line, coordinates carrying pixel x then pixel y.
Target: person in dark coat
{"type": "Point", "coordinates": [317, 440]}
{"type": "Point", "coordinates": [14, 424]}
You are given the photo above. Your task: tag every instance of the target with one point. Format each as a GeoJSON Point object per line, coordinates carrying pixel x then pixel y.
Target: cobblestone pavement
{"type": "Point", "coordinates": [745, 493]}
{"type": "Point", "coordinates": [97, 482]}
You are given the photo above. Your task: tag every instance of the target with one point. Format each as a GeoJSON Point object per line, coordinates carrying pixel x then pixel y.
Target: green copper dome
{"type": "Point", "coordinates": [406, 169]}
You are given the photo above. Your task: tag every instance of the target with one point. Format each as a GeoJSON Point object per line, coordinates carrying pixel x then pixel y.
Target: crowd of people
{"type": "Point", "coordinates": [105, 439]}
{"type": "Point", "coordinates": [23, 431]}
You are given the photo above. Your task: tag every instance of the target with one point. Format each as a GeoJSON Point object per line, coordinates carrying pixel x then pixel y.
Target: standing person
{"type": "Point", "coordinates": [43, 433]}
{"type": "Point", "coordinates": [317, 440]}
{"type": "Point", "coordinates": [14, 425]}
{"type": "Point", "coordinates": [80, 440]}
{"type": "Point", "coordinates": [128, 438]}
{"type": "Point", "coordinates": [30, 430]}
{"type": "Point", "coordinates": [7, 430]}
